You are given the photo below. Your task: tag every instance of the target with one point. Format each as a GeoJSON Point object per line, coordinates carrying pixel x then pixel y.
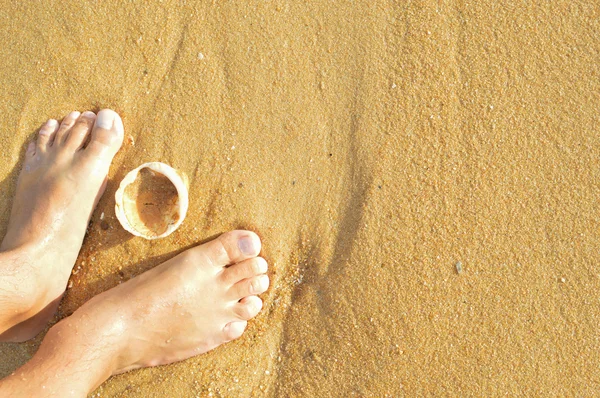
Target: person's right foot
{"type": "Point", "coordinates": [184, 307]}
{"type": "Point", "coordinates": [63, 176]}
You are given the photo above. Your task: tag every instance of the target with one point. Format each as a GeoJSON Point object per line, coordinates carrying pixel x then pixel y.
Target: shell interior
{"type": "Point", "coordinates": [152, 200]}
{"type": "Point", "coordinates": [151, 203]}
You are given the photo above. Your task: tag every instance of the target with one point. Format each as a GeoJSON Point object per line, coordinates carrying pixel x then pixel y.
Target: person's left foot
{"type": "Point", "coordinates": [63, 177]}
{"type": "Point", "coordinates": [186, 306]}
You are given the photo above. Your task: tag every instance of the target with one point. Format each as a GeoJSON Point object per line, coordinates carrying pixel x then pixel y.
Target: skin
{"type": "Point", "coordinates": [58, 187]}
{"type": "Point", "coordinates": [184, 307]}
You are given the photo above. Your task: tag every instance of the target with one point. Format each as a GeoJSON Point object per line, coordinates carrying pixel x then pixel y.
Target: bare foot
{"type": "Point", "coordinates": [63, 176]}
{"type": "Point", "coordinates": [186, 306]}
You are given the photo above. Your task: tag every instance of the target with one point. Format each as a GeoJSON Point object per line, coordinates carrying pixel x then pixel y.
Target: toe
{"type": "Point", "coordinates": [30, 150]}
{"type": "Point", "coordinates": [65, 126]}
{"type": "Point", "coordinates": [234, 330]}
{"type": "Point", "coordinates": [245, 269]}
{"type": "Point", "coordinates": [232, 247]}
{"type": "Point", "coordinates": [107, 135]}
{"type": "Point", "coordinates": [79, 133]}
{"type": "Point", "coordinates": [248, 307]}
{"type": "Point", "coordinates": [74, 137]}
{"type": "Point", "coordinates": [46, 135]}
{"type": "Point", "coordinates": [248, 287]}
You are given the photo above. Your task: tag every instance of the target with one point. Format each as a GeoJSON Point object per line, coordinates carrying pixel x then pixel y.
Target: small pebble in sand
{"type": "Point", "coordinates": [459, 267]}
{"type": "Point", "coordinates": [200, 56]}
{"type": "Point", "coordinates": [563, 280]}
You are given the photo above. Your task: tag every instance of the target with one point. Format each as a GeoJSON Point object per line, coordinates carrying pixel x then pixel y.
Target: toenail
{"type": "Point", "coordinates": [49, 127]}
{"type": "Point", "coordinates": [73, 115]}
{"type": "Point", "coordinates": [260, 284]}
{"type": "Point", "coordinates": [88, 114]}
{"type": "Point", "coordinates": [105, 119]}
{"type": "Point", "coordinates": [262, 266]}
{"type": "Point", "coordinates": [246, 245]}
{"type": "Point", "coordinates": [252, 310]}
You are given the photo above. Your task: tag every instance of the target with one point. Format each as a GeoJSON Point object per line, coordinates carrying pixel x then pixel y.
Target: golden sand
{"type": "Point", "coordinates": [372, 145]}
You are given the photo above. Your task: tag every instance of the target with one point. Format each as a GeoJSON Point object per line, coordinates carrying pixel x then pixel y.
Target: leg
{"type": "Point", "coordinates": [63, 176]}
{"type": "Point", "coordinates": [187, 306]}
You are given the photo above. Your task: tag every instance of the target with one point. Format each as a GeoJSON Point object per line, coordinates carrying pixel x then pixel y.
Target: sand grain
{"type": "Point", "coordinates": [370, 144]}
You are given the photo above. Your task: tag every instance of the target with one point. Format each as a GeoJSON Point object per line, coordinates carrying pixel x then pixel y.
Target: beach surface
{"type": "Point", "coordinates": [378, 148]}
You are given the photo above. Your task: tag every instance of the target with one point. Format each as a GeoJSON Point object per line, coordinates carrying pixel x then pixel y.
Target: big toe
{"type": "Point", "coordinates": [107, 135]}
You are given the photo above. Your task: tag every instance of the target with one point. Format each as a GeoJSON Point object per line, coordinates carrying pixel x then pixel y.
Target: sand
{"type": "Point", "coordinates": [372, 145]}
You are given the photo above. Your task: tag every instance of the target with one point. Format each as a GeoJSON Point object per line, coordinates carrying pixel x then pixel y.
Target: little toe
{"type": "Point", "coordinates": [46, 135]}
{"type": "Point", "coordinates": [65, 126]}
{"type": "Point", "coordinates": [107, 135]}
{"type": "Point", "coordinates": [232, 247]}
{"type": "Point", "coordinates": [245, 269]}
{"type": "Point", "coordinates": [248, 307]}
{"type": "Point", "coordinates": [234, 330]}
{"type": "Point", "coordinates": [248, 287]}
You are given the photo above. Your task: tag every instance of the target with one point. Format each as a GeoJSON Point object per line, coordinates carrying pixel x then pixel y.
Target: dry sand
{"type": "Point", "coordinates": [372, 145]}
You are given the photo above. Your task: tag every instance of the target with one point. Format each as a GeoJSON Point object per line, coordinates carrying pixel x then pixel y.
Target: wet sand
{"type": "Point", "coordinates": [372, 145]}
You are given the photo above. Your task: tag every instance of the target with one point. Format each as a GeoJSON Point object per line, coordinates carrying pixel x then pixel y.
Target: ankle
{"type": "Point", "coordinates": [22, 297]}
{"type": "Point", "coordinates": [73, 359]}
{"type": "Point", "coordinates": [103, 316]}
{"type": "Point", "coordinates": [11, 243]}
{"type": "Point", "coordinates": [28, 317]}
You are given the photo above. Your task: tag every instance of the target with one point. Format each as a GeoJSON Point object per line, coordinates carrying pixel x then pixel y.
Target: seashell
{"type": "Point", "coordinates": [152, 200]}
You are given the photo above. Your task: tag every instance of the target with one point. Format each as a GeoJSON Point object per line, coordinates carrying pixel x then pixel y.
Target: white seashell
{"type": "Point", "coordinates": [152, 200]}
